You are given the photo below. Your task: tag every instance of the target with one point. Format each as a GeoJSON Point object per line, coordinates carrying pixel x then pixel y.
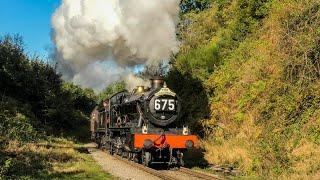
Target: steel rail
{"type": "Point", "coordinates": [159, 174]}
{"type": "Point", "coordinates": [198, 174]}
{"type": "Point", "coordinates": [138, 166]}
{"type": "Point", "coordinates": [145, 169]}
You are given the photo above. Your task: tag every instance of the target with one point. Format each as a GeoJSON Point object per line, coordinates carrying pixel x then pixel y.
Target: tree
{"type": "Point", "coordinates": [111, 89]}
{"type": "Point", "coordinates": [32, 89]}
{"type": "Point", "coordinates": [194, 5]}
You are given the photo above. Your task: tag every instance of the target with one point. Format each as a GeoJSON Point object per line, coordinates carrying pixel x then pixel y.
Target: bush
{"type": "Point", "coordinates": [17, 127]}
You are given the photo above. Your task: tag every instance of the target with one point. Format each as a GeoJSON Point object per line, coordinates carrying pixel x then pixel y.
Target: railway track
{"type": "Point", "coordinates": [146, 169]}
{"type": "Point", "coordinates": [164, 174]}
{"type": "Point", "coordinates": [198, 174]}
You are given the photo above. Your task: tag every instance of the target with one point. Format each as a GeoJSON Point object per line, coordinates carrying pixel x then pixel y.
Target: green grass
{"type": "Point", "coordinates": [52, 159]}
{"type": "Point", "coordinates": [87, 168]}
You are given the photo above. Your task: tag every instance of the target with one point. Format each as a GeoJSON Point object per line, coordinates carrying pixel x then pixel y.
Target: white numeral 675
{"type": "Point", "coordinates": [165, 103]}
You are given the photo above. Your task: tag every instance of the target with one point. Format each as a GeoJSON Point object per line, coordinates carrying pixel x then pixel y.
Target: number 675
{"type": "Point", "coordinates": [166, 103]}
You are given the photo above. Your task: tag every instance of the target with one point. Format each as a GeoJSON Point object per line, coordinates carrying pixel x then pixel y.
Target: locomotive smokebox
{"type": "Point", "coordinates": [157, 82]}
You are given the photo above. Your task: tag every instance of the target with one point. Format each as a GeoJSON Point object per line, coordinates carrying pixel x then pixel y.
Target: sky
{"type": "Point", "coordinates": [32, 20]}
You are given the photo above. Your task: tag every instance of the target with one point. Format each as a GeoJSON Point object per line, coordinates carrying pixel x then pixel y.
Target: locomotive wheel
{"type": "Point", "coordinates": [102, 143]}
{"type": "Point", "coordinates": [181, 162]}
{"type": "Point", "coordinates": [129, 156]}
{"type": "Point", "coordinates": [98, 141]}
{"type": "Point", "coordinates": [123, 153]}
{"type": "Point", "coordinates": [135, 157]}
{"type": "Point", "coordinates": [180, 159]}
{"type": "Point", "coordinates": [111, 149]}
{"type": "Point", "coordinates": [146, 158]}
{"type": "Point", "coordinates": [118, 151]}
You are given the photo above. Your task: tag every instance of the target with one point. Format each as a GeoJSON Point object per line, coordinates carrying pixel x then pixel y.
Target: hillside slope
{"type": "Point", "coordinates": [258, 62]}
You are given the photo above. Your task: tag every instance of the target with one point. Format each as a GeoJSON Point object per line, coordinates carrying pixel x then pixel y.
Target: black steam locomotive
{"type": "Point", "coordinates": [139, 125]}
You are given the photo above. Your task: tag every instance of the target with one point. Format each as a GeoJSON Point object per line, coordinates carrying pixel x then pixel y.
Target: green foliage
{"type": "Point", "coordinates": [302, 41]}
{"type": "Point", "coordinates": [249, 13]}
{"type": "Point", "coordinates": [257, 63]}
{"type": "Point", "coordinates": [252, 94]}
{"type": "Point", "coordinates": [34, 97]}
{"type": "Point", "coordinates": [194, 5]}
{"type": "Point", "coordinates": [200, 61]}
{"type": "Point", "coordinates": [209, 37]}
{"type": "Point", "coordinates": [16, 127]}
{"type": "Point", "coordinates": [54, 159]}
{"type": "Point", "coordinates": [82, 99]}
{"type": "Point", "coordinates": [193, 97]}
{"type": "Point", "coordinates": [34, 102]}
{"type": "Point", "coordinates": [111, 89]}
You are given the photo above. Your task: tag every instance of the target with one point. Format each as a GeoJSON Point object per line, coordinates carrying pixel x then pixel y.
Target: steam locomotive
{"type": "Point", "coordinates": [139, 125]}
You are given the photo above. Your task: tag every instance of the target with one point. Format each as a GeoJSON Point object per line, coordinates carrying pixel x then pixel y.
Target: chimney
{"type": "Point", "coordinates": [157, 82]}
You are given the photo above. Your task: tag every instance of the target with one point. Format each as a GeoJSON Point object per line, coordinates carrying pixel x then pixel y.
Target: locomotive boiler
{"type": "Point", "coordinates": [139, 125]}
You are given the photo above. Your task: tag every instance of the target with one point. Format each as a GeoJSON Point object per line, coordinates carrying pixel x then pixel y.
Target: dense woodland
{"type": "Point", "coordinates": [248, 72]}
{"type": "Point", "coordinates": [251, 75]}
{"type": "Point", "coordinates": [34, 98]}
{"type": "Point", "coordinates": [36, 104]}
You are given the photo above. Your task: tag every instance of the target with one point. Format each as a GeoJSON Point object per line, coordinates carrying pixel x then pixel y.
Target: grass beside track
{"type": "Point", "coordinates": [54, 159]}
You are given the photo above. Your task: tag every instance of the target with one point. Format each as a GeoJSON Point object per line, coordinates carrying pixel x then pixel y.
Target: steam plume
{"type": "Point", "coordinates": [99, 40]}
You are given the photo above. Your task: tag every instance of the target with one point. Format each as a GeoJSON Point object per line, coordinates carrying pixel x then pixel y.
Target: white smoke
{"type": "Point", "coordinates": [95, 75]}
{"type": "Point", "coordinates": [98, 40]}
{"type": "Point", "coordinates": [133, 81]}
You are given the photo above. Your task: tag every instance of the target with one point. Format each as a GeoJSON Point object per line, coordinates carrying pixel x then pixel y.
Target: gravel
{"type": "Point", "coordinates": [118, 168]}
{"type": "Point", "coordinates": [125, 171]}
{"type": "Point", "coordinates": [179, 175]}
